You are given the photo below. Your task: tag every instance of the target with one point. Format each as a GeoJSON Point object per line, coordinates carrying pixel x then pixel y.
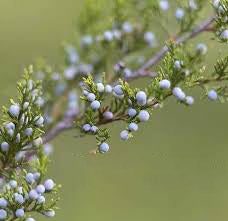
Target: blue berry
{"type": "Point", "coordinates": [86, 127]}
{"type": "Point", "coordinates": [165, 84]}
{"type": "Point", "coordinates": [3, 214]}
{"type": "Point", "coordinates": [4, 146]}
{"type": "Point", "coordinates": [144, 116]}
{"type": "Point", "coordinates": [133, 127]}
{"type": "Point", "coordinates": [94, 129]}
{"type": "Point", "coordinates": [189, 100]}
{"type": "Point", "coordinates": [178, 93]}
{"type": "Point", "coordinates": [212, 95]}
{"type": "Point", "coordinates": [49, 184]}
{"type": "Point", "coordinates": [100, 87]}
{"type": "Point", "coordinates": [108, 88]}
{"type": "Point", "coordinates": [108, 115]}
{"type": "Point", "coordinates": [132, 112]}
{"type": "Point", "coordinates": [124, 135]}
{"type": "Point", "coordinates": [103, 148]}
{"type": "Point", "coordinates": [14, 110]}
{"type": "Point", "coordinates": [95, 105]}
{"type": "Point", "coordinates": [91, 97]}
{"type": "Point", "coordinates": [20, 213]}
{"type": "Point", "coordinates": [141, 98]}
{"type": "Point", "coordinates": [118, 90]}
{"type": "Point", "coordinates": [3, 202]}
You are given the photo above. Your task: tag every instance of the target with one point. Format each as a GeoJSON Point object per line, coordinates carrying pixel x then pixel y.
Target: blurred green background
{"type": "Point", "coordinates": [174, 169]}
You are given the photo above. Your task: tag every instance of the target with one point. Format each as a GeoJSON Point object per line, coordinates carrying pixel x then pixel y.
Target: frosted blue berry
{"type": "Point", "coordinates": [95, 105]}
{"type": "Point", "coordinates": [20, 213]}
{"type": "Point", "coordinates": [144, 116]}
{"type": "Point", "coordinates": [14, 110]}
{"type": "Point", "coordinates": [3, 214]}
{"type": "Point", "coordinates": [29, 178]}
{"type": "Point", "coordinates": [30, 219]}
{"type": "Point", "coordinates": [10, 125]}
{"type": "Point", "coordinates": [4, 146]}
{"type": "Point", "coordinates": [40, 189]}
{"type": "Point", "coordinates": [86, 127]}
{"type": "Point", "coordinates": [164, 5]}
{"type": "Point", "coordinates": [165, 84]}
{"type": "Point", "coordinates": [212, 95]}
{"type": "Point", "coordinates": [49, 184]}
{"type": "Point", "coordinates": [133, 127]}
{"type": "Point", "coordinates": [108, 115]}
{"type": "Point", "coordinates": [13, 184]}
{"type": "Point", "coordinates": [178, 93]}
{"type": "Point", "coordinates": [39, 121]}
{"type": "Point", "coordinates": [189, 100]}
{"type": "Point", "coordinates": [28, 131]}
{"type": "Point", "coordinates": [178, 64]}
{"type": "Point", "coordinates": [132, 112]}
{"type": "Point", "coordinates": [141, 98]}
{"type": "Point", "coordinates": [19, 198]}
{"type": "Point", "coordinates": [124, 135]}
{"type": "Point", "coordinates": [149, 38]}
{"type": "Point", "coordinates": [91, 97]}
{"type": "Point", "coordinates": [3, 202]}
{"type": "Point", "coordinates": [179, 13]}
{"type": "Point", "coordinates": [224, 35]}
{"type": "Point", "coordinates": [201, 48]}
{"type": "Point", "coordinates": [49, 213]}
{"type": "Point", "coordinates": [108, 89]}
{"type": "Point", "coordinates": [108, 36]}
{"type": "Point", "coordinates": [33, 195]}
{"type": "Point", "coordinates": [118, 90]}
{"type": "Point", "coordinates": [36, 175]}
{"type": "Point", "coordinates": [85, 92]}
{"type": "Point", "coordinates": [25, 105]}
{"type": "Point", "coordinates": [103, 148]}
{"type": "Point", "coordinates": [127, 27]}
{"type": "Point", "coordinates": [100, 87]}
{"type": "Point", "coordinates": [94, 129]}
{"type": "Point", "coordinates": [41, 200]}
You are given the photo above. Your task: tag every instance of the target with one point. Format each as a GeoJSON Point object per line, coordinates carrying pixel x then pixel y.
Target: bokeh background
{"type": "Point", "coordinates": [174, 169]}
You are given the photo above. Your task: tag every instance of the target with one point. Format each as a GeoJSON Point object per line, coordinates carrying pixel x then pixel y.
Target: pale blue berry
{"type": "Point", "coordinates": [25, 105]}
{"type": "Point", "coordinates": [178, 64]}
{"type": "Point", "coordinates": [179, 13]}
{"type": "Point", "coordinates": [85, 92]}
{"type": "Point", "coordinates": [3, 214]}
{"type": "Point", "coordinates": [212, 95]}
{"type": "Point", "coordinates": [39, 121]}
{"type": "Point", "coordinates": [95, 105]}
{"type": "Point", "coordinates": [108, 36]}
{"type": "Point", "coordinates": [133, 127]}
{"type": "Point", "coordinates": [40, 189]}
{"type": "Point", "coordinates": [86, 127]}
{"type": "Point", "coordinates": [201, 48]}
{"type": "Point", "coordinates": [178, 93]}
{"type": "Point", "coordinates": [41, 200]}
{"type": "Point", "coordinates": [19, 198]}
{"type": "Point", "coordinates": [3, 202]}
{"type": "Point", "coordinates": [36, 175]}
{"type": "Point", "coordinates": [165, 84]}
{"type": "Point", "coordinates": [224, 35]}
{"type": "Point", "coordinates": [108, 115]}
{"type": "Point", "coordinates": [100, 87]}
{"type": "Point", "coordinates": [33, 195]}
{"type": "Point", "coordinates": [4, 146]}
{"type": "Point", "coordinates": [91, 97]}
{"type": "Point", "coordinates": [13, 184]}
{"type": "Point", "coordinates": [29, 178]}
{"type": "Point", "coordinates": [118, 90]}
{"type": "Point", "coordinates": [103, 148]}
{"type": "Point", "coordinates": [144, 116]}
{"type": "Point", "coordinates": [20, 213]}
{"type": "Point", "coordinates": [189, 100]}
{"type": "Point", "coordinates": [127, 27]}
{"type": "Point", "coordinates": [141, 98]}
{"type": "Point", "coordinates": [14, 110]}
{"type": "Point", "coordinates": [28, 131]}
{"type": "Point", "coordinates": [164, 5]}
{"type": "Point", "coordinates": [94, 129]}
{"type": "Point", "coordinates": [49, 184]}
{"type": "Point", "coordinates": [124, 135]}
{"type": "Point", "coordinates": [132, 112]}
{"type": "Point", "coordinates": [30, 219]}
{"type": "Point", "coordinates": [108, 89]}
{"type": "Point", "coordinates": [49, 213]}
{"type": "Point", "coordinates": [10, 125]}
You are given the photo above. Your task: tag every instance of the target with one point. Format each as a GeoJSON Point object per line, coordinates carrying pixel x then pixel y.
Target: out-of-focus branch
{"type": "Point", "coordinates": [153, 61]}
{"type": "Point", "coordinates": [68, 121]}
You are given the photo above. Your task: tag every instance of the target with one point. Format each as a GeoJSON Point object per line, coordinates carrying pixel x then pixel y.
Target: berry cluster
{"type": "Point", "coordinates": [21, 197]}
